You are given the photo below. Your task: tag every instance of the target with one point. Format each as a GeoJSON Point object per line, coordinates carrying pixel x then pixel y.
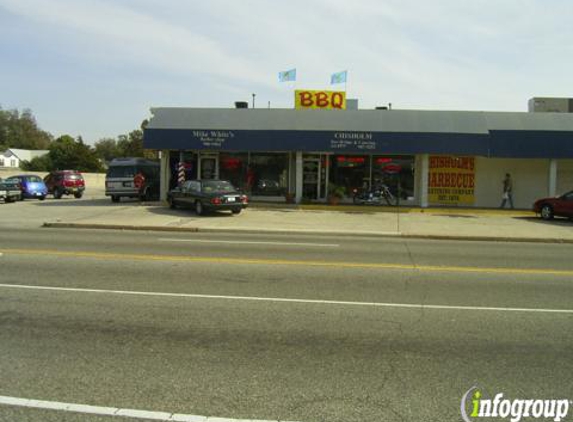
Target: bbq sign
{"type": "Point", "coordinates": [451, 180]}
{"type": "Point", "coordinates": [322, 100]}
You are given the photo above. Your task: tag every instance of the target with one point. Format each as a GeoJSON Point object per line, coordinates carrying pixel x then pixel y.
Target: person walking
{"type": "Point", "coordinates": [507, 191]}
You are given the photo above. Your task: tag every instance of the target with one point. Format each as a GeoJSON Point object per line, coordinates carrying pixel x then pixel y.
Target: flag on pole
{"type": "Point", "coordinates": [339, 78]}
{"type": "Point", "coordinates": [287, 75]}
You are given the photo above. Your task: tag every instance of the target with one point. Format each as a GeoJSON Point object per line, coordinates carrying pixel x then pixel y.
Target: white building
{"type": "Point", "coordinates": [13, 157]}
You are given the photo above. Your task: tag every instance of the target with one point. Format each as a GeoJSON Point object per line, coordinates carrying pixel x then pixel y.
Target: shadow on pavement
{"type": "Point", "coordinates": [186, 212]}
{"type": "Point", "coordinates": [454, 215]}
{"type": "Point", "coordinates": [557, 221]}
{"type": "Point", "coordinates": [73, 202]}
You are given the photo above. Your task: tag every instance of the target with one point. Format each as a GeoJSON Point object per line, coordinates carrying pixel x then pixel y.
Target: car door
{"type": "Point", "coordinates": [18, 180]}
{"type": "Point", "coordinates": [186, 193]}
{"type": "Point", "coordinates": [178, 193]}
{"type": "Point", "coordinates": [193, 192]}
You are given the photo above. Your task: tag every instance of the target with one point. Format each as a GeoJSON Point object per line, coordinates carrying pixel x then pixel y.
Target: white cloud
{"type": "Point", "coordinates": [149, 40]}
{"type": "Point", "coordinates": [452, 54]}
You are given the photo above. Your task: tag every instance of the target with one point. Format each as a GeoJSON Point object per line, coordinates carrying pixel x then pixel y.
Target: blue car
{"type": "Point", "coordinates": [31, 186]}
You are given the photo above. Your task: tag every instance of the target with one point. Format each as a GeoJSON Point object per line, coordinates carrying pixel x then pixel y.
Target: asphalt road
{"type": "Point", "coordinates": [301, 328]}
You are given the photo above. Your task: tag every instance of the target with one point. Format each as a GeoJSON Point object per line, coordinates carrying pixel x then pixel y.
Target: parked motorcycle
{"type": "Point", "coordinates": [376, 196]}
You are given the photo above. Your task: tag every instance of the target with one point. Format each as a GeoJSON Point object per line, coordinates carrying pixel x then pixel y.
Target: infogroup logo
{"type": "Point", "coordinates": [475, 406]}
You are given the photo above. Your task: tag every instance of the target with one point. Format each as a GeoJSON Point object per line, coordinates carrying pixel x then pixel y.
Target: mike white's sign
{"type": "Point", "coordinates": [213, 138]}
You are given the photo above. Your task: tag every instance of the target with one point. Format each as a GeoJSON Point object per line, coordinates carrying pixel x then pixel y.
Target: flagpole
{"type": "Point", "coordinates": [293, 90]}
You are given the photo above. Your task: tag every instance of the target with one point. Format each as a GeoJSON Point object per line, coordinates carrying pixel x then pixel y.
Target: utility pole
{"type": "Point", "coordinates": [254, 95]}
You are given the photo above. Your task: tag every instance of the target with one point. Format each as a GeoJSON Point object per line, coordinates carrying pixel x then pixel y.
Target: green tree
{"type": "Point", "coordinates": [131, 145]}
{"type": "Point", "coordinates": [20, 130]}
{"type": "Point", "coordinates": [107, 149]}
{"type": "Point", "coordinates": [68, 153]}
{"type": "Point", "coordinates": [43, 163]}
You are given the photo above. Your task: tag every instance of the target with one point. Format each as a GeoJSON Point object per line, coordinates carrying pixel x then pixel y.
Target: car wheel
{"type": "Point", "coordinates": [21, 197]}
{"type": "Point", "coordinates": [58, 193]}
{"type": "Point", "coordinates": [78, 195]}
{"type": "Point", "coordinates": [546, 212]}
{"type": "Point", "coordinates": [8, 199]}
{"type": "Point", "coordinates": [199, 210]}
{"type": "Point", "coordinates": [114, 198]}
{"type": "Point", "coordinates": [41, 198]}
{"type": "Point", "coordinates": [236, 211]}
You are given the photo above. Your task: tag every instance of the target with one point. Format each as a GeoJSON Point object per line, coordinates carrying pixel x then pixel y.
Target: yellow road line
{"type": "Point", "coordinates": [251, 261]}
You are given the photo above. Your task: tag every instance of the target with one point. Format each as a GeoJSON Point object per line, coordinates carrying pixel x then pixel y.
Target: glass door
{"type": "Point", "coordinates": [208, 167]}
{"type": "Point", "coordinates": [311, 177]}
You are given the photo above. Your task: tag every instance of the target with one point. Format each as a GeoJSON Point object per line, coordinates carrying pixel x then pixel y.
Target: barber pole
{"type": "Point", "coordinates": [180, 173]}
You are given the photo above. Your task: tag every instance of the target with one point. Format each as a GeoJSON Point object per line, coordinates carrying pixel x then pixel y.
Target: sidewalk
{"type": "Point", "coordinates": [436, 223]}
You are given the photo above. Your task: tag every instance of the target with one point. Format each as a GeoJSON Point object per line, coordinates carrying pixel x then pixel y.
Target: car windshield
{"type": "Point", "coordinates": [33, 179]}
{"type": "Point", "coordinates": [218, 186]}
{"type": "Point", "coordinates": [121, 171]}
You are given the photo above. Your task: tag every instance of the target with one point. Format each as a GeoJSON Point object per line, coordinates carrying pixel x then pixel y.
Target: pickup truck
{"type": "Point", "coordinates": [9, 190]}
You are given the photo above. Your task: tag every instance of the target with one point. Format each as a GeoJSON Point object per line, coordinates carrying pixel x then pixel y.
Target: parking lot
{"type": "Point", "coordinates": [97, 211]}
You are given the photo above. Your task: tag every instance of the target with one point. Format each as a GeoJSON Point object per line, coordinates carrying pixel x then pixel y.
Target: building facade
{"type": "Point", "coordinates": [449, 158]}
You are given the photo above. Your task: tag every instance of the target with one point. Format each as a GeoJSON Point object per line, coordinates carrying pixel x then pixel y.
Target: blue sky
{"type": "Point", "coordinates": [95, 67]}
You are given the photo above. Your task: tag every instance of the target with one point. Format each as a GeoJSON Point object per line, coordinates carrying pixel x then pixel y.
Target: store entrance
{"type": "Point", "coordinates": [208, 166]}
{"type": "Point", "coordinates": [314, 177]}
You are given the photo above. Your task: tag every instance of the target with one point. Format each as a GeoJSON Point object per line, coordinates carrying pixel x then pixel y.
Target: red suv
{"type": "Point", "coordinates": [65, 182]}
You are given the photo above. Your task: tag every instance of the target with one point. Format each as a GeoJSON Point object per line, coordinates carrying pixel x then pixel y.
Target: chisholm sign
{"type": "Point", "coordinates": [353, 140]}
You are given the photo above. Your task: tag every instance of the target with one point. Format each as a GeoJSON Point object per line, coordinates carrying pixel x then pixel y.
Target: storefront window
{"type": "Point", "coordinates": [267, 174]}
{"type": "Point", "coordinates": [233, 167]}
{"type": "Point", "coordinates": [350, 171]}
{"type": "Point", "coordinates": [396, 172]}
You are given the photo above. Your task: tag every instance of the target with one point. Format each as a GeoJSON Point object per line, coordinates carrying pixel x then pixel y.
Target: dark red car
{"type": "Point", "coordinates": [561, 206]}
{"type": "Point", "coordinates": [65, 182]}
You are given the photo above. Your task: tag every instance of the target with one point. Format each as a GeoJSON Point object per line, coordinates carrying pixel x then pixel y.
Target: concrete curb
{"type": "Point", "coordinates": [118, 227]}
{"type": "Point", "coordinates": [396, 235]}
